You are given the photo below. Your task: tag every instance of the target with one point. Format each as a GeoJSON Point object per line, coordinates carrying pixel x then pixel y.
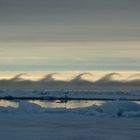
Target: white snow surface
{"type": "Point", "coordinates": [116, 120]}
{"type": "Point", "coordinates": [67, 126]}
{"type": "Point", "coordinates": [110, 120]}
{"type": "Point", "coordinates": [88, 94]}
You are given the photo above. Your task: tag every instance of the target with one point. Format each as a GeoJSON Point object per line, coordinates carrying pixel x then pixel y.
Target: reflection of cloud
{"type": "Point", "coordinates": [68, 104]}
{"type": "Point", "coordinates": [6, 103]}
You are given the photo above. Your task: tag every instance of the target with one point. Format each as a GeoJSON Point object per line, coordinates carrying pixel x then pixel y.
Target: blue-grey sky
{"type": "Point", "coordinates": [69, 34]}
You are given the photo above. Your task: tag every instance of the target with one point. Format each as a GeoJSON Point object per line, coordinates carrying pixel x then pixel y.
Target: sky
{"type": "Point", "coordinates": [52, 35]}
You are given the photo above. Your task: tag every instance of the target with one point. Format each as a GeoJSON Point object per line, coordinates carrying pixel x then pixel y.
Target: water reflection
{"type": "Point", "coordinates": [68, 104]}
{"type": "Point", "coordinates": [55, 103]}
{"type": "Point", "coordinates": [52, 104]}
{"type": "Point", "coordinates": [138, 102]}
{"type": "Point", "coordinates": [6, 103]}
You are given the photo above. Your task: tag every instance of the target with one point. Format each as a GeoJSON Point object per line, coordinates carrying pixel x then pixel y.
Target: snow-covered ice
{"type": "Point", "coordinates": [113, 120]}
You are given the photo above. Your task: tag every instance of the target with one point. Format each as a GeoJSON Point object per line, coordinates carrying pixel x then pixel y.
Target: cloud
{"type": "Point", "coordinates": [78, 82]}
{"type": "Point", "coordinates": [18, 77]}
{"type": "Point", "coordinates": [134, 77]}
{"type": "Point", "coordinates": [108, 78]}
{"type": "Point", "coordinates": [69, 20]}
{"type": "Point", "coordinates": [80, 77]}
{"type": "Point", "coordinates": [50, 77]}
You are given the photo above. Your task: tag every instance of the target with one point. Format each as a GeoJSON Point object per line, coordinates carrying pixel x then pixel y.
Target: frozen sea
{"type": "Point", "coordinates": [61, 115]}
